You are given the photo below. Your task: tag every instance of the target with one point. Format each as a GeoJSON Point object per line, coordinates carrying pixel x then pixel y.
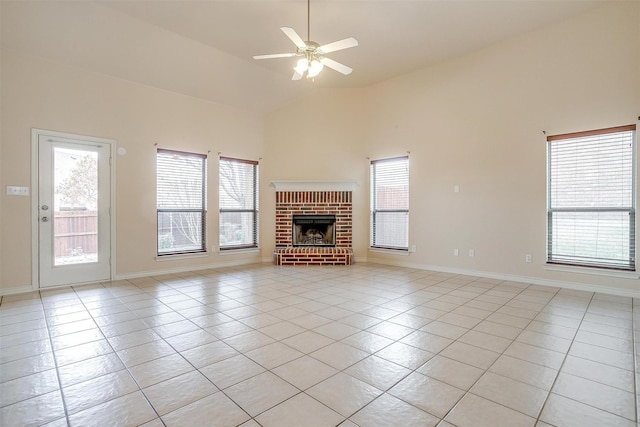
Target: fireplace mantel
{"type": "Point", "coordinates": [314, 185]}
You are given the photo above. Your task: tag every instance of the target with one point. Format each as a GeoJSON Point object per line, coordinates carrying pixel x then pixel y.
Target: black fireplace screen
{"type": "Point", "coordinates": [314, 230]}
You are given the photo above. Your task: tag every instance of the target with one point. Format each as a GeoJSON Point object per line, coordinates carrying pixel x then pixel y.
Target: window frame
{"type": "Point", "coordinates": [202, 210]}
{"type": "Point", "coordinates": [374, 211]}
{"type": "Point", "coordinates": [598, 263]}
{"type": "Point", "coordinates": [255, 208]}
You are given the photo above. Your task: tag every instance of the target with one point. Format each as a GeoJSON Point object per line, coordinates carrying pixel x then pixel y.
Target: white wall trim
{"type": "Point", "coordinates": [520, 279]}
{"type": "Point", "coordinates": [26, 289]}
{"type": "Point", "coordinates": [137, 275]}
{"type": "Point", "coordinates": [17, 290]}
{"type": "Point", "coordinates": [185, 269]}
{"type": "Point", "coordinates": [314, 185]}
{"type": "Point", "coordinates": [35, 196]}
{"type": "Point", "coordinates": [364, 260]}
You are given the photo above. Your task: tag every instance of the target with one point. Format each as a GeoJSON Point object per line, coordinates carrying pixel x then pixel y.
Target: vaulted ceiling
{"type": "Point", "coordinates": [205, 48]}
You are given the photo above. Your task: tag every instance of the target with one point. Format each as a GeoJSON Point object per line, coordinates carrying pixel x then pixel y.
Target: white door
{"type": "Point", "coordinates": [74, 198]}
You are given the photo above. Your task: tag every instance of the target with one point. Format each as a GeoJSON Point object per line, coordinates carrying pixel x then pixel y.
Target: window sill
{"type": "Point", "coordinates": [401, 252]}
{"type": "Point", "coordinates": [223, 252]}
{"type": "Point", "coordinates": [593, 271]}
{"type": "Point", "coordinates": [182, 256]}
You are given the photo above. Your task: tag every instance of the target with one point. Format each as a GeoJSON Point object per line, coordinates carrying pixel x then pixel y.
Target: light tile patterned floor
{"type": "Point", "coordinates": [364, 345]}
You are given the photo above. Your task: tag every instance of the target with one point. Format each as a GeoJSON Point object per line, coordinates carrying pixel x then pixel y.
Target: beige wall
{"type": "Point", "coordinates": [474, 121]}
{"type": "Point", "coordinates": [317, 138]}
{"type": "Point", "coordinates": [48, 95]}
{"type": "Point", "coordinates": [477, 122]}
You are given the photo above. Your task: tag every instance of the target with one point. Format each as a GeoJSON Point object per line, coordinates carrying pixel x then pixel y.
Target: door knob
{"type": "Point", "coordinates": [44, 207]}
{"type": "Point", "coordinates": [45, 219]}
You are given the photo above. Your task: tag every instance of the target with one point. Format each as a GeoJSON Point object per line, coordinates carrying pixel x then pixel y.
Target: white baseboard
{"type": "Point", "coordinates": [520, 279]}
{"type": "Point", "coordinates": [17, 290]}
{"type": "Point", "coordinates": [364, 260]}
{"type": "Point", "coordinates": [175, 270]}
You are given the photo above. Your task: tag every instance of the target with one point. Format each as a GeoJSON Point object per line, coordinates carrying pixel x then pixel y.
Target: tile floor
{"type": "Point", "coordinates": [364, 345]}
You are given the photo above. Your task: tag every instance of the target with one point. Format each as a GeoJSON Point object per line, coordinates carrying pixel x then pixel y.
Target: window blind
{"type": "Point", "coordinates": [238, 203]}
{"type": "Point", "coordinates": [591, 198]}
{"type": "Point", "coordinates": [390, 203]}
{"type": "Point", "coordinates": [181, 202]}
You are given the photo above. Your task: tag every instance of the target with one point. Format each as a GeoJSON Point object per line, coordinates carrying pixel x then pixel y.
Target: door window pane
{"type": "Point", "coordinates": [75, 206]}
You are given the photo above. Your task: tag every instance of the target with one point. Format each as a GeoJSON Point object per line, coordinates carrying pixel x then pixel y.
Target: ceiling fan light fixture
{"type": "Point", "coordinates": [314, 68]}
{"type": "Point", "coordinates": [302, 66]}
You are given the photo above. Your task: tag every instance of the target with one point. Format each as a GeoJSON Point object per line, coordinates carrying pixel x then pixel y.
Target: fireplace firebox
{"type": "Point", "coordinates": [314, 230]}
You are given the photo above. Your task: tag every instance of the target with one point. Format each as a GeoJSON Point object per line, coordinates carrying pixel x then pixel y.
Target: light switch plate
{"type": "Point", "coordinates": [13, 190]}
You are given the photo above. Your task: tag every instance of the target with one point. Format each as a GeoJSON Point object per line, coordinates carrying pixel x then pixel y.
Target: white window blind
{"type": "Point", "coordinates": [238, 203]}
{"type": "Point", "coordinates": [591, 198]}
{"type": "Point", "coordinates": [390, 203]}
{"type": "Point", "coordinates": [181, 202]}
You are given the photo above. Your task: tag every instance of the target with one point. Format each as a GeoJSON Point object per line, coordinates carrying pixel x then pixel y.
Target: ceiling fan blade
{"type": "Point", "coordinates": [341, 68]}
{"type": "Point", "coordinates": [274, 55]}
{"type": "Point", "coordinates": [339, 45]}
{"type": "Point", "coordinates": [295, 38]}
{"type": "Point", "coordinates": [296, 76]}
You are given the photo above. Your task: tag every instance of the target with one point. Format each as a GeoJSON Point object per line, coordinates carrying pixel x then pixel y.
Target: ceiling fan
{"type": "Point", "coordinates": [312, 59]}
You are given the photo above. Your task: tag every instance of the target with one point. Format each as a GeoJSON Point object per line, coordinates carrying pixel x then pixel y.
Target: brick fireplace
{"type": "Point", "coordinates": [313, 198]}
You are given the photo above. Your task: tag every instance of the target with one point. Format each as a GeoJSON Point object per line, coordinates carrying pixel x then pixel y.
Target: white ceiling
{"type": "Point", "coordinates": [205, 48]}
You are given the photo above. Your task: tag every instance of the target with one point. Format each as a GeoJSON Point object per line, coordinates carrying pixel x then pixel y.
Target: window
{"type": "Point", "coordinates": [390, 203]}
{"type": "Point", "coordinates": [591, 198]}
{"type": "Point", "coordinates": [238, 203]}
{"type": "Point", "coordinates": [181, 202]}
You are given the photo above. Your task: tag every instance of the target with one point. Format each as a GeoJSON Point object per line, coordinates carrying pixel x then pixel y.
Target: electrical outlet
{"type": "Point", "coordinates": [528, 258]}
{"type": "Point", "coordinates": [472, 253]}
{"type": "Point", "coordinates": [413, 248]}
{"type": "Point", "coordinates": [456, 252]}
{"type": "Point", "coordinates": [456, 188]}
